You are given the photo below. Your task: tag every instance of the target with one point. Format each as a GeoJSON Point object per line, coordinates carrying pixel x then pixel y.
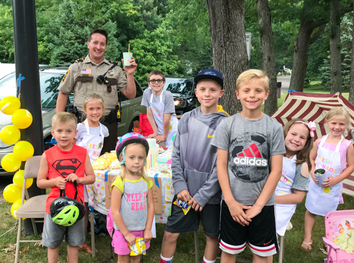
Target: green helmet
{"type": "Point", "coordinates": [66, 211]}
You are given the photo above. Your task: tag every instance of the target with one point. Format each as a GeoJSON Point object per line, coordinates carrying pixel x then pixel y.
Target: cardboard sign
{"type": "Point", "coordinates": [156, 193]}
{"type": "Point", "coordinates": [107, 187]}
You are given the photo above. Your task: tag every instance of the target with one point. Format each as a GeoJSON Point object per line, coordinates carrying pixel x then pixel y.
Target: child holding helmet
{"type": "Point", "coordinates": [132, 205]}
{"type": "Point", "coordinates": [63, 167]}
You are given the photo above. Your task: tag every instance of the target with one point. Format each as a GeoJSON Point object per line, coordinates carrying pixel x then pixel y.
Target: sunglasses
{"type": "Point", "coordinates": [156, 80]}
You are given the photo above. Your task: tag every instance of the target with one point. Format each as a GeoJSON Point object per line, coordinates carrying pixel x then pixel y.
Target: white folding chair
{"type": "Point", "coordinates": [34, 208]}
{"type": "Point", "coordinates": [92, 226]}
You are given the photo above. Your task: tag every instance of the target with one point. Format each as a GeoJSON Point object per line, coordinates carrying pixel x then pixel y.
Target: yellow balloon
{"type": "Point", "coordinates": [10, 163]}
{"type": "Point", "coordinates": [22, 118]}
{"type": "Point", "coordinates": [11, 193]}
{"type": "Point", "coordinates": [23, 150]}
{"type": "Point", "coordinates": [18, 179]}
{"type": "Point", "coordinates": [15, 206]}
{"type": "Point", "coordinates": [10, 134]}
{"type": "Point", "coordinates": [9, 104]}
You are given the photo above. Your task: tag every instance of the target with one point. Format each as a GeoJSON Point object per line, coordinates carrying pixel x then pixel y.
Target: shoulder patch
{"type": "Point", "coordinates": [63, 79]}
{"type": "Point", "coordinates": [79, 60]}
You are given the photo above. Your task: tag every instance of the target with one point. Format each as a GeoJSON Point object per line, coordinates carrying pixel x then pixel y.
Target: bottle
{"type": "Point", "coordinates": [173, 139]}
{"type": "Point", "coordinates": [151, 159]}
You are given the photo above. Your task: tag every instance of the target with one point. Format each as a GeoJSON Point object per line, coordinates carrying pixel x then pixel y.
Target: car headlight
{"type": "Point", "coordinates": [179, 103]}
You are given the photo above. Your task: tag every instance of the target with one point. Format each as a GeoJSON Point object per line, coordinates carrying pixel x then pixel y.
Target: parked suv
{"type": "Point", "coordinates": [49, 81]}
{"type": "Point", "coordinates": [182, 90]}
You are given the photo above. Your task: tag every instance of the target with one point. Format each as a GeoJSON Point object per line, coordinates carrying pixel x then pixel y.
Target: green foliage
{"type": "Point", "coordinates": [318, 52]}
{"type": "Point", "coordinates": [192, 36]}
{"type": "Point", "coordinates": [180, 29]}
{"type": "Point", "coordinates": [155, 51]}
{"type": "Point", "coordinates": [6, 34]}
{"type": "Point", "coordinates": [284, 42]}
{"type": "Point", "coordinates": [251, 26]}
{"type": "Point", "coordinates": [72, 26]}
{"type": "Point", "coordinates": [152, 12]}
{"type": "Point", "coordinates": [128, 22]}
{"type": "Point", "coordinates": [45, 11]}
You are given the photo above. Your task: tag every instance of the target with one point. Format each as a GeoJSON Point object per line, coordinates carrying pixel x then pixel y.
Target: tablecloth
{"type": "Point", "coordinates": [96, 191]}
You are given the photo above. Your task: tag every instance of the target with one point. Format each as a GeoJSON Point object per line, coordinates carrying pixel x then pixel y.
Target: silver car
{"type": "Point", "coordinates": [49, 82]}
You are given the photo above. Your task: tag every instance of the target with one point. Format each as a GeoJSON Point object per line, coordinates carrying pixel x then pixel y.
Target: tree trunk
{"type": "Point", "coordinates": [335, 55]}
{"type": "Point", "coordinates": [306, 38]}
{"type": "Point", "coordinates": [229, 46]}
{"type": "Point", "coordinates": [351, 90]}
{"type": "Point", "coordinates": [268, 56]}
{"type": "Point", "coordinates": [301, 49]}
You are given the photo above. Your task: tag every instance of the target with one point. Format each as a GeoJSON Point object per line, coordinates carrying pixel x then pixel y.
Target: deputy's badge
{"type": "Point", "coordinates": [63, 79]}
{"type": "Point", "coordinates": [110, 73]}
{"type": "Point", "coordinates": [86, 71]}
{"type": "Point", "coordinates": [100, 145]}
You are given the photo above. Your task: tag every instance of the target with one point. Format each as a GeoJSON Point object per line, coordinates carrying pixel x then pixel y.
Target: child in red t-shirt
{"type": "Point", "coordinates": [60, 167]}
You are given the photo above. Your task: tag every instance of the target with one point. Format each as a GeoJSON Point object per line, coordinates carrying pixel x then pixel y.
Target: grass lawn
{"type": "Point", "coordinates": [185, 248]}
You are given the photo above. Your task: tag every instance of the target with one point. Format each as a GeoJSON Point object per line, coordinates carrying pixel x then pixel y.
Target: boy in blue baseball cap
{"type": "Point", "coordinates": [194, 169]}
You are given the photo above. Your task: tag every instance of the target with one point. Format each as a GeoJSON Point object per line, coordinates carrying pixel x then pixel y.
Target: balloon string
{"type": "Point", "coordinates": [10, 229]}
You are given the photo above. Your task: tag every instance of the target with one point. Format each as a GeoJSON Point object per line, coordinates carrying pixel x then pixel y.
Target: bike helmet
{"type": "Point", "coordinates": [66, 211]}
{"type": "Point", "coordinates": [127, 139]}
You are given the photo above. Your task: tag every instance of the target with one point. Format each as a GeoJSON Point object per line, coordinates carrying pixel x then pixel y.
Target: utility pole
{"type": "Point", "coordinates": [27, 80]}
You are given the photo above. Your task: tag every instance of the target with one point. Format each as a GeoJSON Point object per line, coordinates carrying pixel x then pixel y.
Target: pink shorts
{"type": "Point", "coordinates": [121, 246]}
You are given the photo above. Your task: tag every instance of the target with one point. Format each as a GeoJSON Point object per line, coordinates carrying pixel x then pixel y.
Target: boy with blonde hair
{"type": "Point", "coordinates": [194, 169]}
{"type": "Point", "coordinates": [249, 164]}
{"type": "Point", "coordinates": [63, 167]}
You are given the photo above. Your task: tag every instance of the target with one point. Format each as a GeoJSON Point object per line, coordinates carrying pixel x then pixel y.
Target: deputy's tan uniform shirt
{"type": "Point", "coordinates": [83, 85]}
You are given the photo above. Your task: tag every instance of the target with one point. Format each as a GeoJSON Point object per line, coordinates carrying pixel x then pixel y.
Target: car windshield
{"type": "Point", "coordinates": [49, 82]}
{"type": "Point", "coordinates": [176, 85]}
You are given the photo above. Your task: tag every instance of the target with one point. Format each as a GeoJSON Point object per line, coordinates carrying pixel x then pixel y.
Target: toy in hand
{"type": "Point", "coordinates": [183, 205]}
{"type": "Point", "coordinates": [138, 248]}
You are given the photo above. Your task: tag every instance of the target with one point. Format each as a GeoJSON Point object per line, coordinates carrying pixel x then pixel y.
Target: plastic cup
{"type": "Point", "coordinates": [126, 57]}
{"type": "Point", "coordinates": [320, 176]}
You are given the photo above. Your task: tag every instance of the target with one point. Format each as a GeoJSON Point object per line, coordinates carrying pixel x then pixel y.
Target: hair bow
{"type": "Point", "coordinates": [312, 128]}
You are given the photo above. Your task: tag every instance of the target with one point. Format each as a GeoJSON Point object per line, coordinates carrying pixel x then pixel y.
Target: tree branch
{"type": "Point", "coordinates": [318, 33]}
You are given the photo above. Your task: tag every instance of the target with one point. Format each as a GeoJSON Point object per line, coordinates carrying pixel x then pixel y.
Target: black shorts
{"type": "Point", "coordinates": [260, 234]}
{"type": "Point", "coordinates": [178, 222]}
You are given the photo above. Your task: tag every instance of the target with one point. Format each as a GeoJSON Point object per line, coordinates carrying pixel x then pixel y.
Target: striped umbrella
{"type": "Point", "coordinates": [314, 107]}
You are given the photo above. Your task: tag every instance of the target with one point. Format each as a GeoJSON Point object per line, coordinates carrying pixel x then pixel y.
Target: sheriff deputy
{"type": "Point", "coordinates": [95, 74]}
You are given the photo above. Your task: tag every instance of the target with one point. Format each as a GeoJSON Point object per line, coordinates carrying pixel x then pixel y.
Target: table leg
{"type": "Point", "coordinates": [196, 247]}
